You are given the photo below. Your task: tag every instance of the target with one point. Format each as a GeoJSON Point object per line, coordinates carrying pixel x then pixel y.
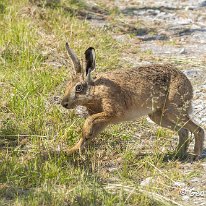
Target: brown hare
{"type": "Point", "coordinates": [159, 91]}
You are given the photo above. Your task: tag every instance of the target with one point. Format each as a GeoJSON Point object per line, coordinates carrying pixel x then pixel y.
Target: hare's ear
{"type": "Point", "coordinates": [90, 60]}
{"type": "Point", "coordinates": [74, 58]}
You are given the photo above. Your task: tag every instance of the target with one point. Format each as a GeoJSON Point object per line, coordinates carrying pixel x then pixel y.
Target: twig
{"type": "Point", "coordinates": [160, 172]}
{"type": "Point", "coordinates": [23, 135]}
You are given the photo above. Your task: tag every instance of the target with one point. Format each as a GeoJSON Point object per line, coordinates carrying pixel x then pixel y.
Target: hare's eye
{"type": "Point", "coordinates": [79, 88]}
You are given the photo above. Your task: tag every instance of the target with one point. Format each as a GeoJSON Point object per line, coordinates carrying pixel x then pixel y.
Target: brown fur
{"type": "Point", "coordinates": [159, 91]}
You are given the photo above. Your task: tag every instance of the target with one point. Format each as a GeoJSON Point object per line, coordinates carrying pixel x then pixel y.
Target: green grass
{"type": "Point", "coordinates": [33, 67]}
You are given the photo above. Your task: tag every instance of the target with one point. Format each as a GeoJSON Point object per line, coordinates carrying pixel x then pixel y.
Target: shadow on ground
{"type": "Point", "coordinates": [134, 10]}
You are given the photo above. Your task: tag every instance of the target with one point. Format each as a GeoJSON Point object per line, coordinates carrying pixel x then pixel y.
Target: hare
{"type": "Point", "coordinates": [159, 91]}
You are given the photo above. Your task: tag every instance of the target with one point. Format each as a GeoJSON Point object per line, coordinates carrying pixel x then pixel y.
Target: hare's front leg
{"type": "Point", "coordinates": [93, 125]}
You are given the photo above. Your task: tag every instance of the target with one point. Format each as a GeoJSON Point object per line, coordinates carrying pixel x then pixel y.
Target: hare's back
{"type": "Point", "coordinates": [139, 79]}
{"type": "Point", "coordinates": [147, 86]}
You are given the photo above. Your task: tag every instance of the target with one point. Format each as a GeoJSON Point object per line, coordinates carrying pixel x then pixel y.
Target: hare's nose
{"type": "Point", "coordinates": [64, 103]}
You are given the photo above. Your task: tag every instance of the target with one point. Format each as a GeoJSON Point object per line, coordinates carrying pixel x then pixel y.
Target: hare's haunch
{"type": "Point", "coordinates": [159, 91]}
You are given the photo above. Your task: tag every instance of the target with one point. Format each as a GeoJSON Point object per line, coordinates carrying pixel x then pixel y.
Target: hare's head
{"type": "Point", "coordinates": [77, 90]}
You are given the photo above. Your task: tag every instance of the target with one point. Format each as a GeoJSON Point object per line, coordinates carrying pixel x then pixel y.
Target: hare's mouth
{"type": "Point", "coordinates": [68, 105]}
{"type": "Point", "coordinates": [65, 104]}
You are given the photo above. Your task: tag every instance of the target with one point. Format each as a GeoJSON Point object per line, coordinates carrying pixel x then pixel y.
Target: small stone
{"type": "Point", "coordinates": [185, 197]}
{"type": "Point", "coordinates": [182, 51]}
{"type": "Point", "coordinates": [195, 180]}
{"type": "Point", "coordinates": [112, 169]}
{"type": "Point", "coordinates": [187, 8]}
{"type": "Point", "coordinates": [203, 4]}
{"type": "Point", "coordinates": [179, 184]}
{"type": "Point", "coordinates": [146, 181]}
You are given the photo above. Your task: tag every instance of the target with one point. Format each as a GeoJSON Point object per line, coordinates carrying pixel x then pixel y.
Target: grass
{"type": "Point", "coordinates": [33, 67]}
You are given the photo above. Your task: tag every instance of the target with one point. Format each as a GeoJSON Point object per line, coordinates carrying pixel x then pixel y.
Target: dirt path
{"type": "Point", "coordinates": [164, 31]}
{"type": "Point", "coordinates": [168, 32]}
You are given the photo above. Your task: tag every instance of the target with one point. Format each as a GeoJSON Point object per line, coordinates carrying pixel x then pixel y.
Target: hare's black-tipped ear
{"type": "Point", "coordinates": [74, 58]}
{"type": "Point", "coordinates": [90, 59]}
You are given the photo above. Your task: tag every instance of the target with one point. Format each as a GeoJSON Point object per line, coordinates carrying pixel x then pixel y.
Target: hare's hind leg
{"type": "Point", "coordinates": [162, 120]}
{"type": "Point", "coordinates": [181, 117]}
{"type": "Point", "coordinates": [198, 132]}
